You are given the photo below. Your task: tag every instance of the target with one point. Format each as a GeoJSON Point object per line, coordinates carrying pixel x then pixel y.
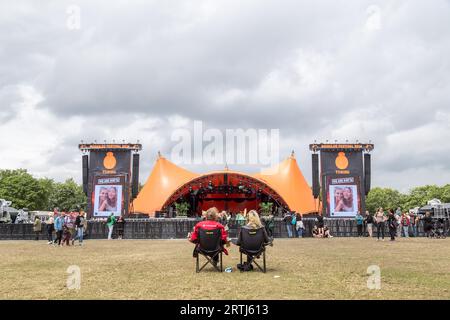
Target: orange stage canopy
{"type": "Point", "coordinates": [285, 178]}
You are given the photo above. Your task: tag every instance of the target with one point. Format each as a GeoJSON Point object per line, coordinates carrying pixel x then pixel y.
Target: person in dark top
{"type": "Point", "coordinates": [392, 224]}
{"type": "Point", "coordinates": [269, 224]}
{"type": "Point", "coordinates": [369, 223]}
{"type": "Point", "coordinates": [320, 223]}
{"type": "Point", "coordinates": [254, 223]}
{"type": "Point", "coordinates": [120, 226]}
{"type": "Point", "coordinates": [428, 224]}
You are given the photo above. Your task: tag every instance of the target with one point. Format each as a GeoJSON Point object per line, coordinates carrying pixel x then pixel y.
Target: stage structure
{"type": "Point", "coordinates": [168, 184]}
{"type": "Point", "coordinates": [344, 178]}
{"type": "Point", "coordinates": [110, 177]}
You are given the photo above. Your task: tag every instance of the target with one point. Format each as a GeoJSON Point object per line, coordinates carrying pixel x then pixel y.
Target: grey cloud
{"type": "Point", "coordinates": [309, 69]}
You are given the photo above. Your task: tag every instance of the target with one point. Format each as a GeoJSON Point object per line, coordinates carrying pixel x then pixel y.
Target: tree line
{"type": "Point", "coordinates": [26, 191]}
{"type": "Point", "coordinates": [388, 198]}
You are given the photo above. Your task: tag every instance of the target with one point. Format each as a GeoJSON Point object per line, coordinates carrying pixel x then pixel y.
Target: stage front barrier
{"type": "Point", "coordinates": [178, 228]}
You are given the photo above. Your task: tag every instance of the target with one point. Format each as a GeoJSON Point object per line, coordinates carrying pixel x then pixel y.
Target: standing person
{"type": "Point", "coordinates": [79, 225]}
{"type": "Point", "coordinates": [120, 226]}
{"type": "Point", "coordinates": [288, 221]}
{"type": "Point", "coordinates": [416, 225]}
{"type": "Point", "coordinates": [392, 224]}
{"type": "Point", "coordinates": [50, 228]}
{"type": "Point", "coordinates": [359, 224]}
{"type": "Point", "coordinates": [412, 223]}
{"type": "Point", "coordinates": [380, 219]}
{"type": "Point", "coordinates": [66, 235]}
{"type": "Point", "coordinates": [300, 226]}
{"type": "Point", "coordinates": [405, 224]}
{"type": "Point", "coordinates": [59, 223]}
{"type": "Point", "coordinates": [369, 223]}
{"type": "Point", "coordinates": [69, 221]}
{"type": "Point", "coordinates": [428, 224]}
{"type": "Point", "coordinates": [398, 218]}
{"type": "Point", "coordinates": [37, 227]}
{"type": "Point", "coordinates": [110, 223]}
{"type": "Point", "coordinates": [270, 224]}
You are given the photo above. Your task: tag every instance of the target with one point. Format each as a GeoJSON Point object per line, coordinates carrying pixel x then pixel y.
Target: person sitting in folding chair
{"type": "Point", "coordinates": [209, 237]}
{"type": "Point", "coordinates": [252, 241]}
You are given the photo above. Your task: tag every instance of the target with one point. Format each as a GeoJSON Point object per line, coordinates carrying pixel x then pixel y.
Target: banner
{"type": "Point", "coordinates": [108, 195]}
{"type": "Point", "coordinates": [343, 196]}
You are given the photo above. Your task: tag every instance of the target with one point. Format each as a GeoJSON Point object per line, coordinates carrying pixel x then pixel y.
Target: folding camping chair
{"type": "Point", "coordinates": [210, 246]}
{"type": "Point", "coordinates": [253, 246]}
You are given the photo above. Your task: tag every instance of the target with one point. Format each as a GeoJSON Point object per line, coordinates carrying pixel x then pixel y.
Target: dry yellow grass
{"type": "Point", "coordinates": [164, 269]}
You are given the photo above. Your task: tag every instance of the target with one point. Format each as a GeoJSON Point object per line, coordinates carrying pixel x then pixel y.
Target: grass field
{"type": "Point", "coordinates": [164, 269]}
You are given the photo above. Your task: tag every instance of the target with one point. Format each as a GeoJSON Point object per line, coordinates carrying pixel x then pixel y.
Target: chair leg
{"type": "Point", "coordinates": [264, 260]}
{"type": "Point", "coordinates": [241, 262]}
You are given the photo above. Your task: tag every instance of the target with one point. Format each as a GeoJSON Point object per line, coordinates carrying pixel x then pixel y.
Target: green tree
{"type": "Point", "coordinates": [383, 197]}
{"type": "Point", "coordinates": [419, 196]}
{"type": "Point", "coordinates": [266, 208]}
{"type": "Point", "coordinates": [22, 189]}
{"type": "Point", "coordinates": [68, 196]}
{"type": "Point", "coordinates": [182, 208]}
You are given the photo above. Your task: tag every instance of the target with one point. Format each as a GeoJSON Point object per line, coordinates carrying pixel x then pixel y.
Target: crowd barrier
{"type": "Point", "coordinates": [178, 228]}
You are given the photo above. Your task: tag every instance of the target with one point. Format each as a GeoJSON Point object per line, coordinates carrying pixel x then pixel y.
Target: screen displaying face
{"type": "Point", "coordinates": [108, 199]}
{"type": "Point", "coordinates": [343, 200]}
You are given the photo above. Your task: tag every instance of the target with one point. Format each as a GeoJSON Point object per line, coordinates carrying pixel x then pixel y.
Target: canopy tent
{"type": "Point", "coordinates": [167, 180]}
{"type": "Point", "coordinates": [287, 179]}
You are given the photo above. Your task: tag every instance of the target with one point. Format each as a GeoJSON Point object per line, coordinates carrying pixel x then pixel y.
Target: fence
{"type": "Point", "coordinates": [178, 228]}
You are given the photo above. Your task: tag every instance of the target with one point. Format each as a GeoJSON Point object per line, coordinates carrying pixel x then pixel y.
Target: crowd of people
{"type": "Point", "coordinates": [62, 228]}
{"type": "Point", "coordinates": [400, 223]}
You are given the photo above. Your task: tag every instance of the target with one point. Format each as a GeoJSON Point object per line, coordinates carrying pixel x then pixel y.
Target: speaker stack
{"type": "Point", "coordinates": [315, 175]}
{"type": "Point", "coordinates": [135, 177]}
{"type": "Point", "coordinates": [367, 173]}
{"type": "Point", "coordinates": [85, 163]}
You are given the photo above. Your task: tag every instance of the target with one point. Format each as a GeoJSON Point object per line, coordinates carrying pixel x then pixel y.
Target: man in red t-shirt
{"type": "Point", "coordinates": [209, 224]}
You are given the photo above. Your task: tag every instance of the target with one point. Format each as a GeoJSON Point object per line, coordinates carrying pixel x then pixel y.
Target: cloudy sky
{"type": "Point", "coordinates": [138, 70]}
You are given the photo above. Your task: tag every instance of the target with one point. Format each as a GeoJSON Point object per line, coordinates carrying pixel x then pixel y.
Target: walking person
{"type": "Point", "coordinates": [50, 228]}
{"type": "Point", "coordinates": [405, 224]}
{"type": "Point", "coordinates": [359, 224]}
{"type": "Point", "coordinates": [392, 224]}
{"type": "Point", "coordinates": [59, 223]}
{"type": "Point", "coordinates": [37, 227]}
{"type": "Point", "coordinates": [110, 223]}
{"type": "Point", "coordinates": [79, 226]}
{"type": "Point", "coordinates": [380, 220]}
{"type": "Point", "coordinates": [369, 223]}
{"type": "Point", "coordinates": [300, 226]}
